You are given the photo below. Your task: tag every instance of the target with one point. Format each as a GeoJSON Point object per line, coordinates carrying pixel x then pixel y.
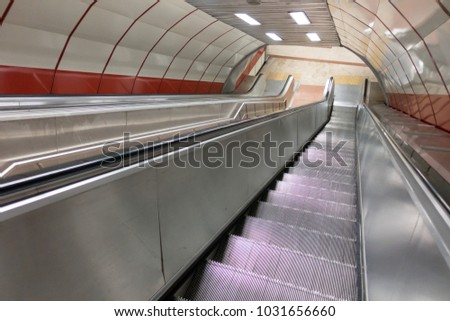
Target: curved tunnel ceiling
{"type": "Point", "coordinates": [115, 46]}
{"type": "Point", "coordinates": [169, 46]}
{"type": "Point", "coordinates": [407, 42]}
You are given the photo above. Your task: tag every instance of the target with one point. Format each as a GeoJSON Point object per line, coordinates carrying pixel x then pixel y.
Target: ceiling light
{"type": "Point", "coordinates": [247, 19]}
{"type": "Point", "coordinates": [313, 36]}
{"type": "Point", "coordinates": [300, 17]}
{"type": "Point", "coordinates": [273, 36]}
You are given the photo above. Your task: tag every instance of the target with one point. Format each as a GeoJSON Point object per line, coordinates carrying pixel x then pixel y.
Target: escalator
{"type": "Point", "coordinates": [301, 240]}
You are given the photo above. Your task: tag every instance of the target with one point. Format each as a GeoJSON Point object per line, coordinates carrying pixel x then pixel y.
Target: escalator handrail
{"type": "Point", "coordinates": [41, 177]}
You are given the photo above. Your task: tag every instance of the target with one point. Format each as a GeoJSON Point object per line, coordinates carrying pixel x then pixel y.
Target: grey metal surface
{"type": "Point", "coordinates": [406, 241]}
{"type": "Point", "coordinates": [40, 138]}
{"type": "Point", "coordinates": [126, 234]}
{"type": "Point", "coordinates": [273, 16]}
{"type": "Point", "coordinates": [348, 95]}
{"type": "Point", "coordinates": [99, 244]}
{"type": "Point", "coordinates": [300, 242]}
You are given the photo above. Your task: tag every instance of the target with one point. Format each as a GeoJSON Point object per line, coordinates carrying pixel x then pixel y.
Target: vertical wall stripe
{"type": "Point", "coordinates": [68, 41]}
{"type": "Point", "coordinates": [153, 47]}
{"type": "Point", "coordinates": [210, 63]}
{"type": "Point", "coordinates": [200, 53]}
{"type": "Point", "coordinates": [120, 40]}
{"type": "Point", "coordinates": [176, 55]}
{"type": "Point", "coordinates": [235, 53]}
{"type": "Point", "coordinates": [5, 13]}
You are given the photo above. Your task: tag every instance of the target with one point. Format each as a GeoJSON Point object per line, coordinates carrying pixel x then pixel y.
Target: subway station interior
{"type": "Point", "coordinates": [238, 150]}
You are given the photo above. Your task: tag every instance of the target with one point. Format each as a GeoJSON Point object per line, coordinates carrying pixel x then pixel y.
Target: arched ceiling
{"type": "Point", "coordinates": [115, 46]}
{"type": "Point", "coordinates": [170, 46]}
{"type": "Point", "coordinates": [405, 42]}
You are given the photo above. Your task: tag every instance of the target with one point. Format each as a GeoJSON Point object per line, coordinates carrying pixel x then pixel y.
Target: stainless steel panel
{"type": "Point", "coordinates": [124, 235]}
{"type": "Point", "coordinates": [79, 131]}
{"type": "Point", "coordinates": [101, 244]}
{"type": "Point", "coordinates": [403, 258]}
{"type": "Point", "coordinates": [80, 127]}
{"type": "Point", "coordinates": [194, 203]}
{"type": "Point", "coordinates": [24, 138]}
{"type": "Point", "coordinates": [347, 95]}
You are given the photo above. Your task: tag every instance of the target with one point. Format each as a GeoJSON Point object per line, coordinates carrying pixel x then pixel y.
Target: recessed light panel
{"type": "Point", "coordinates": [247, 19]}
{"type": "Point", "coordinates": [313, 36]}
{"type": "Point", "coordinates": [273, 36]}
{"type": "Point", "coordinates": [300, 18]}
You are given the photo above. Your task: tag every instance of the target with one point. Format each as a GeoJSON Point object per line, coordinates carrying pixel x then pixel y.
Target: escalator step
{"type": "Point", "coordinates": [315, 192]}
{"type": "Point", "coordinates": [347, 179]}
{"type": "Point", "coordinates": [219, 282]}
{"type": "Point", "coordinates": [308, 220]}
{"type": "Point", "coordinates": [319, 182]}
{"type": "Point", "coordinates": [331, 247]}
{"type": "Point", "coordinates": [323, 170]}
{"type": "Point", "coordinates": [311, 156]}
{"type": "Point", "coordinates": [315, 274]}
{"type": "Point", "coordinates": [346, 211]}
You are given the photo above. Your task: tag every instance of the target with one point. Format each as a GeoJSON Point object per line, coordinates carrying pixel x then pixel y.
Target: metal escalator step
{"type": "Point", "coordinates": [311, 160]}
{"type": "Point", "coordinates": [319, 183]}
{"type": "Point", "coordinates": [315, 192]}
{"type": "Point", "coordinates": [348, 179]}
{"type": "Point", "coordinates": [219, 282]}
{"type": "Point", "coordinates": [346, 211]}
{"type": "Point", "coordinates": [308, 220]}
{"type": "Point", "coordinates": [334, 248]}
{"type": "Point", "coordinates": [334, 170]}
{"type": "Point", "coordinates": [335, 185]}
{"type": "Point", "coordinates": [315, 274]}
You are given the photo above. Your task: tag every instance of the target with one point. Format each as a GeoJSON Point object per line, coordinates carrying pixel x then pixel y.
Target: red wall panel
{"type": "Point", "coordinates": [21, 81]}
{"type": "Point", "coordinates": [76, 83]}
{"type": "Point", "coordinates": [116, 84]}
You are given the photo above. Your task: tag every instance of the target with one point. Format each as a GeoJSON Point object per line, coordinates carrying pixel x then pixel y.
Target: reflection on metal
{"type": "Point", "coordinates": [99, 239]}
{"type": "Point", "coordinates": [405, 43]}
{"type": "Point", "coordinates": [405, 231]}
{"type": "Point", "coordinates": [274, 17]}
{"type": "Point", "coordinates": [39, 140]}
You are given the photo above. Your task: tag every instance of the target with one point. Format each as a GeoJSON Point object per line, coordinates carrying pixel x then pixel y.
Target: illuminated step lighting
{"type": "Point", "coordinates": [300, 17]}
{"type": "Point", "coordinates": [247, 19]}
{"type": "Point", "coordinates": [313, 36]}
{"type": "Point", "coordinates": [273, 36]}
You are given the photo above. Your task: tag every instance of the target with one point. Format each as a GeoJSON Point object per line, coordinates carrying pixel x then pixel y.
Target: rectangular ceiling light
{"type": "Point", "coordinates": [313, 36]}
{"type": "Point", "coordinates": [300, 17]}
{"type": "Point", "coordinates": [273, 36]}
{"type": "Point", "coordinates": [247, 19]}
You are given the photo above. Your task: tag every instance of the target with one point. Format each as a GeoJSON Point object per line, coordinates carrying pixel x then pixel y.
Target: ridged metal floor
{"type": "Point", "coordinates": [300, 241]}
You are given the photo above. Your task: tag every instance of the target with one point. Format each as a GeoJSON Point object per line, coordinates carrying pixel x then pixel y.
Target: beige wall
{"type": "Point", "coordinates": [313, 66]}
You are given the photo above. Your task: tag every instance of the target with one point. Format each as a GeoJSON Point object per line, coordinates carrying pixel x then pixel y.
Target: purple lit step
{"type": "Point", "coordinates": [308, 220]}
{"type": "Point", "coordinates": [306, 271]}
{"type": "Point", "coordinates": [319, 182]}
{"type": "Point", "coordinates": [347, 179]}
{"type": "Point", "coordinates": [315, 192]}
{"type": "Point", "coordinates": [218, 282]}
{"type": "Point", "coordinates": [292, 237]}
{"type": "Point", "coordinates": [324, 170]}
{"type": "Point", "coordinates": [345, 211]}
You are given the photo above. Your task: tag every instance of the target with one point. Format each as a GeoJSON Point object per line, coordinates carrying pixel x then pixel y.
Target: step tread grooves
{"type": "Point", "coordinates": [291, 266]}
